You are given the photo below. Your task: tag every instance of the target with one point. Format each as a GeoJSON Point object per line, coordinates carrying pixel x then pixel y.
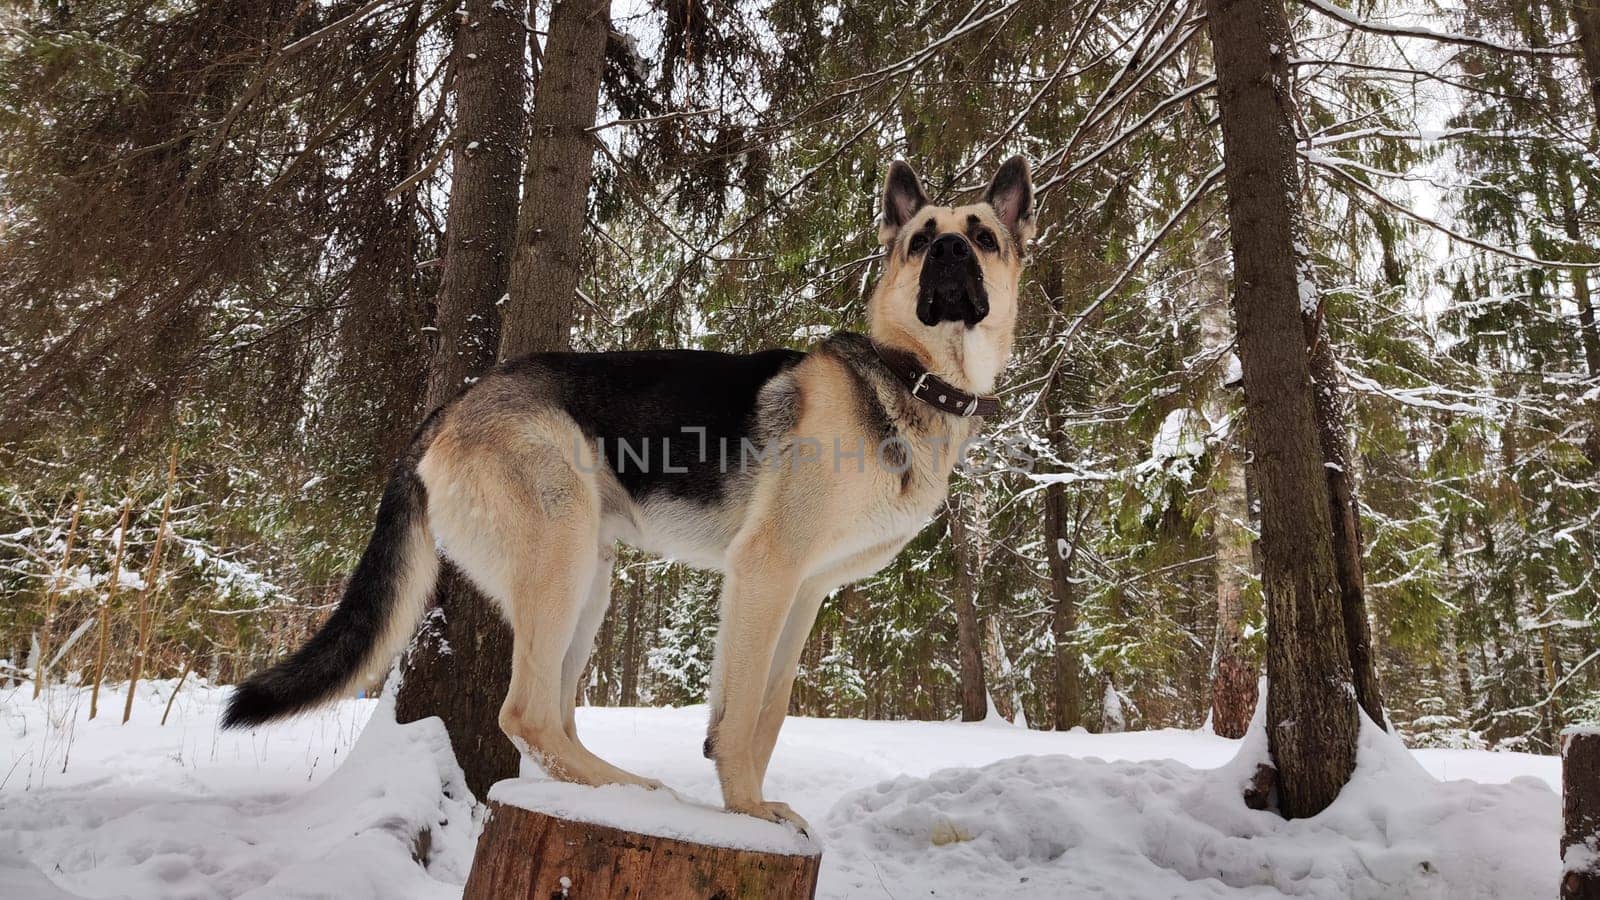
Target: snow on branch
{"type": "Point", "coordinates": [650, 120]}
{"type": "Point", "coordinates": [1346, 17]}
{"type": "Point", "coordinates": [1421, 398]}
{"type": "Point", "coordinates": [1189, 203]}
{"type": "Point", "coordinates": [1429, 136]}
{"type": "Point", "coordinates": [970, 22]}
{"type": "Point", "coordinates": [1027, 109]}
{"type": "Point", "coordinates": [1144, 121]}
{"type": "Point", "coordinates": [1336, 167]}
{"type": "Point", "coordinates": [1136, 66]}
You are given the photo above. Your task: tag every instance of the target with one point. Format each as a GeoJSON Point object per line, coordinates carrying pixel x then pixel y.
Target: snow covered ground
{"type": "Point", "coordinates": [903, 809]}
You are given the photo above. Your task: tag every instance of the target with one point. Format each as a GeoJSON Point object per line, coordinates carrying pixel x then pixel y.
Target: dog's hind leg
{"type": "Point", "coordinates": [514, 509]}
{"type": "Point", "coordinates": [578, 652]}
{"type": "Point", "coordinates": [589, 621]}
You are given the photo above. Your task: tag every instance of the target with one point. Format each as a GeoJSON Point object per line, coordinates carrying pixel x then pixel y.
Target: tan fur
{"type": "Point", "coordinates": [516, 499]}
{"type": "Point", "coordinates": [968, 358]}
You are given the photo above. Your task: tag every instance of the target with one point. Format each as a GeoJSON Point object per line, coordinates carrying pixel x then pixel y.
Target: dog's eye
{"type": "Point", "coordinates": [918, 242]}
{"type": "Point", "coordinates": [986, 240]}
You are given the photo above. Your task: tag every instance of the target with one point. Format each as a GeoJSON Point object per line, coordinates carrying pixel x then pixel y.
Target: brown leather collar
{"type": "Point", "coordinates": [933, 390]}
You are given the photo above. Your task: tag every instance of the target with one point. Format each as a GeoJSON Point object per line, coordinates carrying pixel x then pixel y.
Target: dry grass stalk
{"type": "Point", "coordinates": [188, 665]}
{"type": "Point", "coordinates": [105, 611]}
{"type": "Point", "coordinates": [145, 613]}
{"type": "Point", "coordinates": [53, 595]}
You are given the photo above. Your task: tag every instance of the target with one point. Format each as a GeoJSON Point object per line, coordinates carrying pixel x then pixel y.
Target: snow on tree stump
{"type": "Point", "coordinates": [1580, 814]}
{"type": "Point", "coordinates": [545, 840]}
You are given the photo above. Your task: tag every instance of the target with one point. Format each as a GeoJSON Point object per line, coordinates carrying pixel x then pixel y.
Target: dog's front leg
{"type": "Point", "coordinates": [785, 662]}
{"type": "Point", "coordinates": [758, 593]}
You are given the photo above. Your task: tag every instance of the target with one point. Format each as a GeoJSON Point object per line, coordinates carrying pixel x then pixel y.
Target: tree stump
{"type": "Point", "coordinates": [526, 854]}
{"type": "Point", "coordinates": [1580, 814]}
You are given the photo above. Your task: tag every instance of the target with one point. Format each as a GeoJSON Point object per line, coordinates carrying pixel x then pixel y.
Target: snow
{"type": "Point", "coordinates": [1176, 437]}
{"type": "Point", "coordinates": [1111, 705]}
{"type": "Point", "coordinates": [655, 813]}
{"type": "Point", "coordinates": [306, 809]}
{"type": "Point", "coordinates": [1058, 826]}
{"type": "Point", "coordinates": [1339, 13]}
{"type": "Point", "coordinates": [1234, 371]}
{"type": "Point", "coordinates": [902, 809]}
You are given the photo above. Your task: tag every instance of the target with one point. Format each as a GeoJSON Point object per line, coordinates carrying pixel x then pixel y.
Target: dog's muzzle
{"type": "Point", "coordinates": [951, 288]}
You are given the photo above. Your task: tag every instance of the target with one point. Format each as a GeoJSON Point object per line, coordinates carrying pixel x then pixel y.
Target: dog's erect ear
{"type": "Point", "coordinates": [1011, 195]}
{"type": "Point", "coordinates": [902, 198]}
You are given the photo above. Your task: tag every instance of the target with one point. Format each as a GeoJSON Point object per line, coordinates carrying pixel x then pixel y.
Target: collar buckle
{"type": "Point", "coordinates": [953, 400]}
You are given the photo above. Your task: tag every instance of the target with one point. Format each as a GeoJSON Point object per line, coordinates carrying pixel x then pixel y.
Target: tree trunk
{"type": "Point", "coordinates": [460, 665]}
{"type": "Point", "coordinates": [1550, 657]}
{"type": "Point", "coordinates": [490, 88]}
{"type": "Point", "coordinates": [630, 644]}
{"type": "Point", "coordinates": [1312, 725]}
{"type": "Point", "coordinates": [146, 614]}
{"type": "Point", "coordinates": [528, 855]}
{"type": "Point", "coordinates": [57, 578]}
{"type": "Point", "coordinates": [549, 256]}
{"type": "Point", "coordinates": [1586, 15]}
{"type": "Point", "coordinates": [1234, 672]}
{"type": "Point", "coordinates": [1588, 329]}
{"type": "Point", "coordinates": [969, 636]}
{"type": "Point", "coordinates": [1063, 530]}
{"type": "Point", "coordinates": [106, 608]}
{"type": "Point", "coordinates": [1580, 814]}
{"type": "Point", "coordinates": [1061, 545]}
{"type": "Point", "coordinates": [465, 676]}
{"type": "Point", "coordinates": [1345, 519]}
{"type": "Point", "coordinates": [1007, 699]}
{"type": "Point", "coordinates": [1463, 674]}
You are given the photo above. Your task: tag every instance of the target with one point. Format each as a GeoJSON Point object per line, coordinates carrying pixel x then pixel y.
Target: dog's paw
{"type": "Point", "coordinates": [774, 811]}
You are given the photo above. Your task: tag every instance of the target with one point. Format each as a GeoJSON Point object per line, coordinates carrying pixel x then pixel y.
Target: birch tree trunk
{"type": "Point", "coordinates": [1233, 670]}
{"type": "Point", "coordinates": [1311, 720]}
{"type": "Point", "coordinates": [1007, 698]}
{"type": "Point", "coordinates": [460, 664]}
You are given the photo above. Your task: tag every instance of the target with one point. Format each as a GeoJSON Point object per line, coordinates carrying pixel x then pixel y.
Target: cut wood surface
{"type": "Point", "coordinates": [527, 854]}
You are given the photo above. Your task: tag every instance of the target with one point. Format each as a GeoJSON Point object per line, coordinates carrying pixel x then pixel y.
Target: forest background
{"type": "Point", "coordinates": [221, 233]}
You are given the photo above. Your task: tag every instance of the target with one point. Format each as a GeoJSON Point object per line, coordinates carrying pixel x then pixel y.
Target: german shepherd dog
{"type": "Point", "coordinates": [791, 473]}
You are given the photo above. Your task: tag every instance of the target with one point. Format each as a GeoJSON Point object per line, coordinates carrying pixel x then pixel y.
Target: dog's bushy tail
{"type": "Point", "coordinates": [381, 606]}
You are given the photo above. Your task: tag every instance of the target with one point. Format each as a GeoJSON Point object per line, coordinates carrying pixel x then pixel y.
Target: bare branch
{"type": "Point", "coordinates": [1189, 203]}
{"type": "Point", "coordinates": [681, 114]}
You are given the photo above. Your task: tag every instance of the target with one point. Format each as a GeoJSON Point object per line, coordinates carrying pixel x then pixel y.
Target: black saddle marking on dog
{"type": "Point", "coordinates": [644, 399]}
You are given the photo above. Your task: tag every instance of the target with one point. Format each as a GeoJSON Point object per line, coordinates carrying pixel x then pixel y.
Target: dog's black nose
{"type": "Point", "coordinates": [949, 248]}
